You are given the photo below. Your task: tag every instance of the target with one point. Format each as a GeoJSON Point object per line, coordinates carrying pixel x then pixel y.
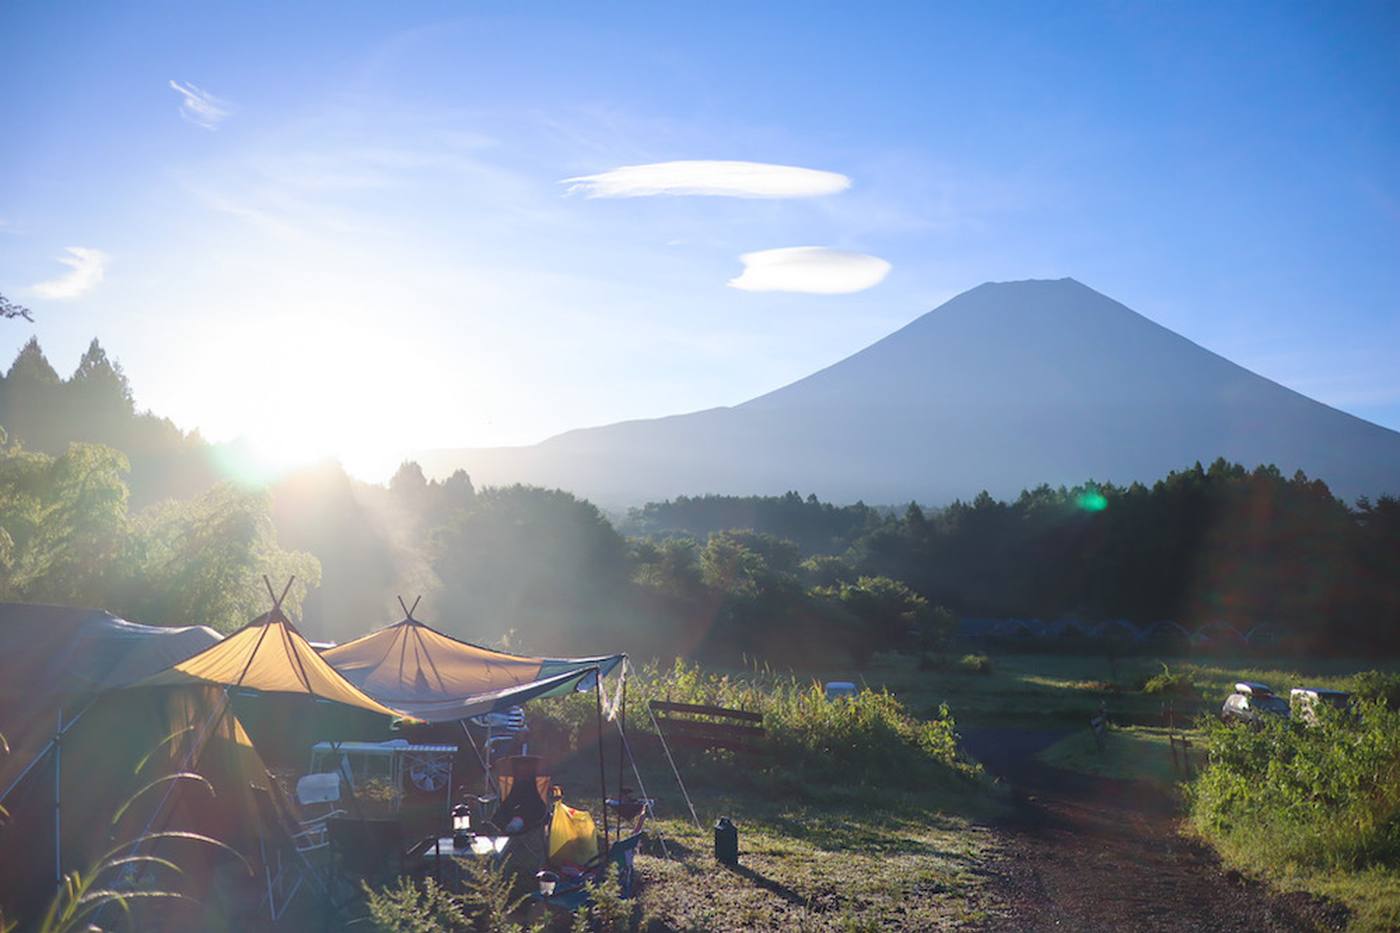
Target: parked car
{"type": "Point", "coordinates": [1252, 701]}
{"type": "Point", "coordinates": [1304, 701]}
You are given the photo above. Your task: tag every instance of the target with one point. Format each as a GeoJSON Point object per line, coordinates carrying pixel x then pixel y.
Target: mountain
{"type": "Point", "coordinates": [1004, 387]}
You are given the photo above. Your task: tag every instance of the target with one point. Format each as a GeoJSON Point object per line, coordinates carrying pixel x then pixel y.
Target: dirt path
{"type": "Point", "coordinates": [1088, 853]}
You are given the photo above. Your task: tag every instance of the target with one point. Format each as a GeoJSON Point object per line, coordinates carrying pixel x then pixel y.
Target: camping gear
{"type": "Point", "coordinates": [726, 842]}
{"type": "Point", "coordinates": [319, 796]}
{"type": "Point", "coordinates": [269, 673]}
{"type": "Point", "coordinates": [399, 765]}
{"type": "Point", "coordinates": [572, 893]}
{"type": "Point", "coordinates": [366, 851]}
{"type": "Point", "coordinates": [415, 668]}
{"type": "Point", "coordinates": [547, 880]}
{"type": "Point", "coordinates": [573, 838]}
{"type": "Point", "coordinates": [839, 688]}
{"type": "Point", "coordinates": [55, 662]}
{"type": "Point", "coordinates": [56, 659]}
{"type": "Point", "coordinates": [461, 826]}
{"type": "Point", "coordinates": [504, 729]}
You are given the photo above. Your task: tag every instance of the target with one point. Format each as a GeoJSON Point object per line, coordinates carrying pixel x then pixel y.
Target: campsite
{"type": "Point", "coordinates": [480, 467]}
{"type": "Point", "coordinates": [326, 780]}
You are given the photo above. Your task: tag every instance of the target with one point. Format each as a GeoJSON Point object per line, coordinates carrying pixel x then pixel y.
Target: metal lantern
{"type": "Point", "coordinates": [461, 826]}
{"type": "Point", "coordinates": [547, 880]}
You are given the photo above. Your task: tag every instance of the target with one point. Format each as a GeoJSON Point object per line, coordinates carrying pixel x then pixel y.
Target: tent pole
{"type": "Point", "coordinates": [57, 795]}
{"type": "Point", "coordinates": [602, 769]}
{"type": "Point", "coordinates": [200, 741]}
{"type": "Point", "coordinates": [43, 753]}
{"type": "Point", "coordinates": [642, 786]}
{"type": "Point", "coordinates": [622, 733]}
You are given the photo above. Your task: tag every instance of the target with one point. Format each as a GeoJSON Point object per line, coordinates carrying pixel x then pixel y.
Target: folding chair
{"type": "Point", "coordinates": [503, 731]}
{"type": "Point", "coordinates": [523, 813]}
{"type": "Point", "coordinates": [318, 795]}
{"type": "Point", "coordinates": [295, 856]}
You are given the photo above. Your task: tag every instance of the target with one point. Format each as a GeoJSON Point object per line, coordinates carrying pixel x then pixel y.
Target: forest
{"type": "Point", "coordinates": [102, 504]}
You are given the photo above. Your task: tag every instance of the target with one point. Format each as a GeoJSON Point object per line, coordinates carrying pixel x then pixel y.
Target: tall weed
{"type": "Point", "coordinates": [867, 738]}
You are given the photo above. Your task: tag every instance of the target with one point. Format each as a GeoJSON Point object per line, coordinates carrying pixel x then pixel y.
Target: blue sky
{"type": "Point", "coordinates": [347, 228]}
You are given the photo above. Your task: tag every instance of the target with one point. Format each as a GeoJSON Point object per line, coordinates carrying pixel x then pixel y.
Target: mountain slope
{"type": "Point", "coordinates": [1003, 387]}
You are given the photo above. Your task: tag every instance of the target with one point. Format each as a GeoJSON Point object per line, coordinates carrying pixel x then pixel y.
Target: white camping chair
{"type": "Point", "coordinates": [319, 796]}
{"type": "Point", "coordinates": [504, 729]}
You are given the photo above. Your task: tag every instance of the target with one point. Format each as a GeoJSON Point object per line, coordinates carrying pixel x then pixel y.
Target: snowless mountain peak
{"type": "Point", "coordinates": [1006, 386]}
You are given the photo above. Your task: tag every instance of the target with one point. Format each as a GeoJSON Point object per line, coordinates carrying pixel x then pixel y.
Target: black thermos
{"type": "Point", "coordinates": [726, 842]}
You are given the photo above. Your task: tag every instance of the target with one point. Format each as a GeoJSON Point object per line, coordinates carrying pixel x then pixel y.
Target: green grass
{"type": "Point", "coordinates": [820, 852]}
{"type": "Point", "coordinates": [860, 815]}
{"type": "Point", "coordinates": [1372, 894]}
{"type": "Point", "coordinates": [1134, 753]}
{"type": "Point", "coordinates": [1051, 690]}
{"type": "Point", "coordinates": [1314, 805]}
{"type": "Point", "coordinates": [856, 861]}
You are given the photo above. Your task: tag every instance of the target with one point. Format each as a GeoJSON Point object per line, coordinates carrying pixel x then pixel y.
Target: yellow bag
{"type": "Point", "coordinates": [573, 837]}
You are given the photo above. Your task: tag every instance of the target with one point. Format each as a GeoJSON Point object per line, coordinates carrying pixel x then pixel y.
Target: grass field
{"type": "Point", "coordinates": [1047, 689]}
{"type": "Point", "coordinates": [1041, 691]}
{"type": "Point", "coordinates": [1135, 753]}
{"type": "Point", "coordinates": [823, 856]}
{"type": "Point", "coordinates": [900, 863]}
{"type": "Point", "coordinates": [812, 857]}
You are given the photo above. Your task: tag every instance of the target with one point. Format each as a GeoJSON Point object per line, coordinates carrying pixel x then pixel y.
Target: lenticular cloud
{"type": "Point", "coordinates": [709, 178]}
{"type": "Point", "coordinates": [812, 269]}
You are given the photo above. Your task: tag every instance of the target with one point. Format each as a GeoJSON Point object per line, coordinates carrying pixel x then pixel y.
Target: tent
{"type": "Point", "coordinates": [415, 668]}
{"type": "Point", "coordinates": [140, 703]}
{"type": "Point", "coordinates": [115, 739]}
{"type": "Point", "coordinates": [55, 659]}
{"type": "Point", "coordinates": [440, 679]}
{"type": "Point", "coordinates": [282, 691]}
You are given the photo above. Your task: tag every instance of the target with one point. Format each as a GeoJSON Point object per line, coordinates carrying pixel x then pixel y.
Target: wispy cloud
{"type": "Point", "coordinates": [812, 269]}
{"type": "Point", "coordinates": [87, 267]}
{"type": "Point", "coordinates": [708, 177]}
{"type": "Point", "coordinates": [199, 106]}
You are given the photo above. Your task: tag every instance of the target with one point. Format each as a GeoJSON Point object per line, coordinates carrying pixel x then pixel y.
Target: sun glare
{"type": "Point", "coordinates": [322, 395]}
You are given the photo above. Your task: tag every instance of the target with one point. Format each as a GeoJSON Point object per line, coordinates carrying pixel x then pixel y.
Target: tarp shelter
{"type": "Point", "coordinates": [286, 695]}
{"type": "Point", "coordinates": [415, 668]}
{"type": "Point", "coordinates": [115, 741]}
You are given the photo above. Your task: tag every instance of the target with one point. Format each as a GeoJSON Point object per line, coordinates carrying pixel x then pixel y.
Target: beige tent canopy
{"type": "Point", "coordinates": [415, 668]}
{"type": "Point", "coordinates": [269, 655]}
{"type": "Point", "coordinates": [286, 695]}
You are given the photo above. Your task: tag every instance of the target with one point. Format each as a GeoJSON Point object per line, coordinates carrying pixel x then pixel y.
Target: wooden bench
{"type": "Point", "coordinates": [698, 726]}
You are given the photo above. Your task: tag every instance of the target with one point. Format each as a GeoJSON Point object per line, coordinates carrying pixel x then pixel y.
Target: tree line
{"type": "Point", "coordinates": [787, 578]}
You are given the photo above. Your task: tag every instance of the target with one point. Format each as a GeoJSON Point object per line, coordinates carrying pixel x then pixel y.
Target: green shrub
{"type": "Point", "coordinates": [869, 737]}
{"type": "Point", "coordinates": [1169, 684]}
{"type": "Point", "coordinates": [1324, 796]}
{"type": "Point", "coordinates": [407, 907]}
{"type": "Point", "coordinates": [975, 664]}
{"type": "Point", "coordinates": [1379, 686]}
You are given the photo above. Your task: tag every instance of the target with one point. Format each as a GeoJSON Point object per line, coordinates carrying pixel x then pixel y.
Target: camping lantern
{"type": "Point", "coordinates": [461, 826]}
{"type": "Point", "coordinates": [726, 842]}
{"type": "Point", "coordinates": [547, 880]}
